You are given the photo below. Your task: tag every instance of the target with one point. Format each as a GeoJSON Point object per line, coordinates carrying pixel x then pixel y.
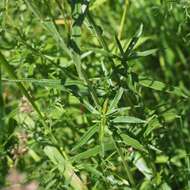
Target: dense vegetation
{"type": "Point", "coordinates": [94, 94]}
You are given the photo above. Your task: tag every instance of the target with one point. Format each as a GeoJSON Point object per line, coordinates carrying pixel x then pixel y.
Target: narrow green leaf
{"type": "Point", "coordinates": [51, 83]}
{"type": "Point", "coordinates": [141, 165]}
{"type": "Point", "coordinates": [160, 86]}
{"type": "Point", "coordinates": [90, 107]}
{"type": "Point", "coordinates": [136, 55]}
{"type": "Point", "coordinates": [139, 31]}
{"type": "Point", "coordinates": [87, 135]}
{"type": "Point", "coordinates": [43, 82]}
{"type": "Point", "coordinates": [83, 76]}
{"type": "Point", "coordinates": [55, 156]}
{"type": "Point", "coordinates": [133, 41]}
{"type": "Point", "coordinates": [132, 142]}
{"type": "Point", "coordinates": [118, 110]}
{"type": "Point", "coordinates": [92, 152]}
{"type": "Point", "coordinates": [127, 119]}
{"type": "Point", "coordinates": [152, 125]}
{"type": "Point", "coordinates": [119, 45]}
{"type": "Point", "coordinates": [34, 155]}
{"type": "Point", "coordinates": [101, 39]}
{"type": "Point", "coordinates": [123, 19]}
{"type": "Point", "coordinates": [74, 82]}
{"type": "Point", "coordinates": [116, 100]}
{"type": "Point", "coordinates": [125, 164]}
{"type": "Point", "coordinates": [91, 168]}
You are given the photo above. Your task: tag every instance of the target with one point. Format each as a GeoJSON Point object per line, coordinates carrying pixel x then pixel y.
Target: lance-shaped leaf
{"type": "Point", "coordinates": [128, 119]}
{"type": "Point", "coordinates": [136, 55]}
{"type": "Point", "coordinates": [87, 135]}
{"type": "Point", "coordinates": [141, 165]}
{"type": "Point", "coordinates": [116, 99]}
{"type": "Point", "coordinates": [160, 86]}
{"type": "Point", "coordinates": [92, 152]}
{"type": "Point", "coordinates": [133, 41]}
{"type": "Point", "coordinates": [90, 107]}
{"type": "Point", "coordinates": [132, 142]}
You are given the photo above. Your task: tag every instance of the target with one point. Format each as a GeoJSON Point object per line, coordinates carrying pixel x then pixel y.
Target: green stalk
{"type": "Point", "coordinates": [10, 72]}
{"type": "Point", "coordinates": [127, 170]}
{"type": "Point", "coordinates": [1, 100]}
{"type": "Point", "coordinates": [76, 31]}
{"type": "Point", "coordinates": [60, 8]}
{"type": "Point", "coordinates": [82, 75]}
{"type": "Point", "coordinates": [101, 134]}
{"type": "Point", "coordinates": [187, 159]}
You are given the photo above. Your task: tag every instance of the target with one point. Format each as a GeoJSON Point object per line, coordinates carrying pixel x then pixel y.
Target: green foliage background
{"type": "Point", "coordinates": [100, 89]}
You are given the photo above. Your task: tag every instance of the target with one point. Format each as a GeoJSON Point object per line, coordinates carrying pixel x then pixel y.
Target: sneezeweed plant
{"type": "Point", "coordinates": [96, 113]}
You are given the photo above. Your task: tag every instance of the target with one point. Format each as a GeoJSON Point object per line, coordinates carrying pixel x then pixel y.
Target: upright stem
{"type": "Point", "coordinates": [1, 99]}
{"type": "Point", "coordinates": [128, 172]}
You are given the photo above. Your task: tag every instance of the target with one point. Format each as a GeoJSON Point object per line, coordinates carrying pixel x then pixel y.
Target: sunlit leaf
{"type": "Point", "coordinates": [128, 119]}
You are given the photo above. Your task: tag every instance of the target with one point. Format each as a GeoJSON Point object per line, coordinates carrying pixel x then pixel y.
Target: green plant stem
{"type": "Point", "coordinates": [82, 75]}
{"type": "Point", "coordinates": [128, 172]}
{"type": "Point", "coordinates": [187, 159]}
{"type": "Point", "coordinates": [1, 100]}
{"type": "Point", "coordinates": [76, 31]}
